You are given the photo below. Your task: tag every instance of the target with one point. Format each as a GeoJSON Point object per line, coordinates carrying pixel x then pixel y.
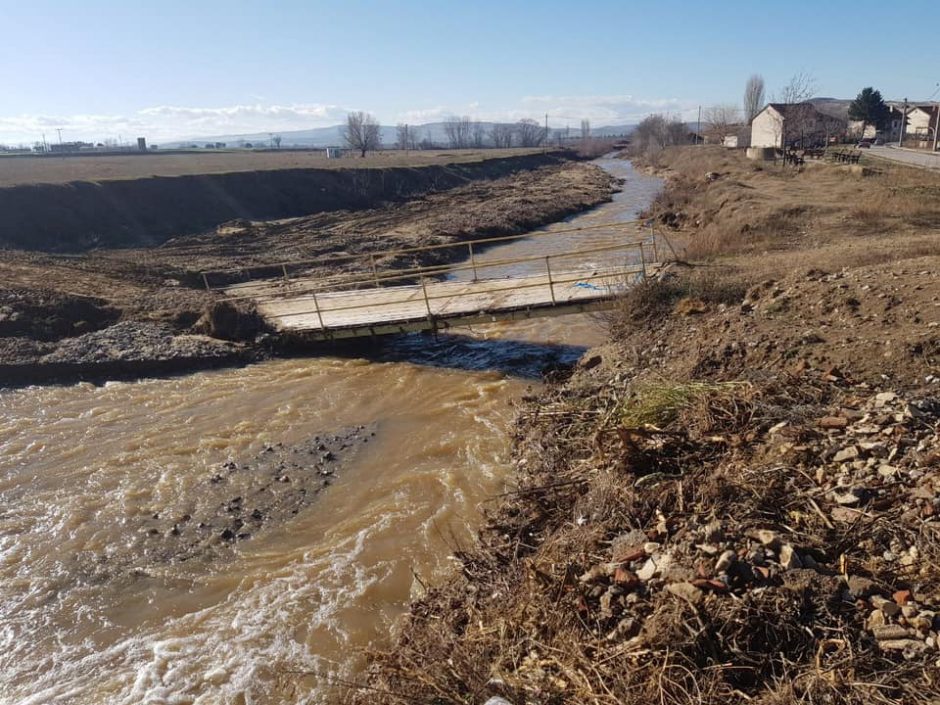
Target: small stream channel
{"type": "Point", "coordinates": [89, 614]}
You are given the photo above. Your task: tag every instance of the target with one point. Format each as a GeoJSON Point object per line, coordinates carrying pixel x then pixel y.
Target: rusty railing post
{"type": "Point", "coordinates": [643, 260]}
{"type": "Point", "coordinates": [551, 285]}
{"type": "Point", "coordinates": [473, 262]}
{"type": "Point", "coordinates": [316, 305]}
{"type": "Point", "coordinates": [427, 303]}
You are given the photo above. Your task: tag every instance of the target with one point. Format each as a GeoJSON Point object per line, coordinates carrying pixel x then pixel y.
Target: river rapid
{"type": "Point", "coordinates": [91, 477]}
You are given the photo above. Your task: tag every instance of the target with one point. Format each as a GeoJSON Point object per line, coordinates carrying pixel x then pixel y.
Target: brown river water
{"type": "Point", "coordinates": [86, 616]}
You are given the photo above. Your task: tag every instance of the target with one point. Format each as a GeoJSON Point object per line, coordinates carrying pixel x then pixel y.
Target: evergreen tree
{"type": "Point", "coordinates": [869, 108]}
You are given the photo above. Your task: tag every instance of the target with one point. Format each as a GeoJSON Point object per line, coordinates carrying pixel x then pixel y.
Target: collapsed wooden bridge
{"type": "Point", "coordinates": [377, 299]}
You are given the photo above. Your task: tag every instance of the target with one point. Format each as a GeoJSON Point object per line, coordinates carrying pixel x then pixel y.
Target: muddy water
{"type": "Point", "coordinates": [89, 615]}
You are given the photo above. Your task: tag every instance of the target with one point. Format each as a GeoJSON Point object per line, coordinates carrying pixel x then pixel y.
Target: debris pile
{"type": "Point", "coordinates": [774, 541]}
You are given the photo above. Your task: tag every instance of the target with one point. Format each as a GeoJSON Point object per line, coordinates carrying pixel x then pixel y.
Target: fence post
{"type": "Point", "coordinates": [427, 303]}
{"type": "Point", "coordinates": [316, 305]}
{"type": "Point", "coordinates": [473, 262]}
{"type": "Point", "coordinates": [551, 285]}
{"type": "Point", "coordinates": [643, 260]}
{"type": "Point", "coordinates": [284, 269]}
{"type": "Point", "coordinates": [653, 240]}
{"type": "Point", "coordinates": [205, 280]}
{"type": "Point", "coordinates": [375, 274]}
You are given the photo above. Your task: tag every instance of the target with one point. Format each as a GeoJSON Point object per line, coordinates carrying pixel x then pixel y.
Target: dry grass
{"type": "Point", "coordinates": [666, 446]}
{"type": "Point", "coordinates": [677, 291]}
{"type": "Point", "coordinates": [755, 209]}
{"type": "Point", "coordinates": [54, 170]}
{"type": "Point", "coordinates": [521, 623]}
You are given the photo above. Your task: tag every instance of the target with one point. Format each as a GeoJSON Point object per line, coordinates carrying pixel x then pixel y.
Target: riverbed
{"type": "Point", "coordinates": [92, 478]}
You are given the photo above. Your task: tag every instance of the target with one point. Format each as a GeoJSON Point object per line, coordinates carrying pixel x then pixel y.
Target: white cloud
{"type": "Point", "coordinates": [170, 122]}
{"type": "Point", "coordinates": [561, 110]}
{"type": "Point", "coordinates": [165, 122]}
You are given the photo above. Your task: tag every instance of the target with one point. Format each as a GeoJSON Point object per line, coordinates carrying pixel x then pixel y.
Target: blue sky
{"type": "Point", "coordinates": [173, 68]}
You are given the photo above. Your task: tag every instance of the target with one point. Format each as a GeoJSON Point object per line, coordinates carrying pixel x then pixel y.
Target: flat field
{"type": "Point", "coordinates": [19, 170]}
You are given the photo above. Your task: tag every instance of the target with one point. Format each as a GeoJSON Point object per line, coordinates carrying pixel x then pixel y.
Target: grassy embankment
{"type": "Point", "coordinates": [736, 499]}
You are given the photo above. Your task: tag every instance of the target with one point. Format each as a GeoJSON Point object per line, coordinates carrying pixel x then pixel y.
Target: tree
{"type": "Point", "coordinates": [276, 141]}
{"type": "Point", "coordinates": [869, 109]}
{"type": "Point", "coordinates": [407, 137]}
{"type": "Point", "coordinates": [656, 132]}
{"type": "Point", "coordinates": [362, 132]}
{"type": "Point", "coordinates": [800, 113]}
{"type": "Point", "coordinates": [720, 121]}
{"type": "Point", "coordinates": [458, 131]}
{"type": "Point", "coordinates": [477, 133]}
{"type": "Point", "coordinates": [801, 88]}
{"type": "Point", "coordinates": [753, 96]}
{"type": "Point", "coordinates": [501, 135]}
{"type": "Point", "coordinates": [530, 133]}
{"type": "Point", "coordinates": [585, 130]}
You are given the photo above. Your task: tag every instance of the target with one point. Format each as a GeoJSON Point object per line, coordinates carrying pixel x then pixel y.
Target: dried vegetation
{"type": "Point", "coordinates": [737, 500]}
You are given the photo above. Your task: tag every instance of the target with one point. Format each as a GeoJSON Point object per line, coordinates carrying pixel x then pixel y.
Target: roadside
{"type": "Point", "coordinates": [131, 311]}
{"type": "Point", "coordinates": [910, 157]}
{"type": "Point", "coordinates": [737, 498]}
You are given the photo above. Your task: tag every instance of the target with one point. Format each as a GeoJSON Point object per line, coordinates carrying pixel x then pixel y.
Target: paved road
{"type": "Point", "coordinates": [921, 159]}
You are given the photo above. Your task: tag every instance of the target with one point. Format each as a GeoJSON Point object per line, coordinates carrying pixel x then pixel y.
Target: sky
{"type": "Point", "coordinates": [119, 69]}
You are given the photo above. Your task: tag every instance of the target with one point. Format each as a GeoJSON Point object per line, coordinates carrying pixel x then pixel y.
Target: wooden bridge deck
{"type": "Point", "coordinates": [433, 297]}
{"type": "Point", "coordinates": [398, 309]}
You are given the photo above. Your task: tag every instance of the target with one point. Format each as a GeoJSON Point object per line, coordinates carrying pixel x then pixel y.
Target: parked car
{"type": "Point", "coordinates": [864, 144]}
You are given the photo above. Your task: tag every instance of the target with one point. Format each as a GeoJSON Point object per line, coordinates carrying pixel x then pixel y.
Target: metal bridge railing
{"type": "Point", "coordinates": [262, 275]}
{"type": "Point", "coordinates": [335, 309]}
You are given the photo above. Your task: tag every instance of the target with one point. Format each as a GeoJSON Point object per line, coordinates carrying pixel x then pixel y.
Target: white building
{"type": "Point", "coordinates": [790, 124]}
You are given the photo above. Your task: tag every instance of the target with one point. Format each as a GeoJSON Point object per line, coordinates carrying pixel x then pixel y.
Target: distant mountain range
{"type": "Point", "coordinates": [333, 136]}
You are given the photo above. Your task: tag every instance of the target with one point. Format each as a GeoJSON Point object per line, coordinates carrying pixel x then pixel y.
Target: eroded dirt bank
{"type": "Point", "coordinates": [737, 498]}
{"type": "Point", "coordinates": [77, 216]}
{"type": "Point", "coordinates": [141, 310]}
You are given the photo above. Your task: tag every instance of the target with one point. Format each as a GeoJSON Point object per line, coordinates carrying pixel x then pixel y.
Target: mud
{"type": "Point", "coordinates": [241, 498]}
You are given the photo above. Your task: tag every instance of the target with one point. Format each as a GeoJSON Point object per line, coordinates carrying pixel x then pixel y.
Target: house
{"type": "Point", "coordinates": [921, 121]}
{"type": "Point", "coordinates": [739, 137]}
{"type": "Point", "coordinates": [792, 124]}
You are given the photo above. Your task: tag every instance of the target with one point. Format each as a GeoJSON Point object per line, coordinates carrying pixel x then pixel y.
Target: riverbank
{"type": "Point", "coordinates": [735, 499]}
{"type": "Point", "coordinates": [123, 311]}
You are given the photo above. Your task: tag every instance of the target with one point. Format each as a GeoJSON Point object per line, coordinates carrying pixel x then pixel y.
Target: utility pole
{"type": "Point", "coordinates": [59, 130]}
{"type": "Point", "coordinates": [936, 128]}
{"type": "Point", "coordinates": [903, 124]}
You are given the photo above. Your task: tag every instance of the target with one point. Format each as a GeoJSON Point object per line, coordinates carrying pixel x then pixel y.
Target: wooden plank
{"type": "Point", "coordinates": [404, 307]}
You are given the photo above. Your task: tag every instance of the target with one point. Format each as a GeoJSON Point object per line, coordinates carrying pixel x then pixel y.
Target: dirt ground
{"type": "Point", "coordinates": [47, 298]}
{"type": "Point", "coordinates": [735, 499]}
{"type": "Point", "coordinates": [16, 171]}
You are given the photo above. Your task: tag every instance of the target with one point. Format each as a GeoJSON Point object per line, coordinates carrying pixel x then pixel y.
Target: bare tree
{"type": "Point", "coordinates": [530, 133]}
{"type": "Point", "coordinates": [753, 96]}
{"type": "Point", "coordinates": [720, 121]}
{"type": "Point", "coordinates": [800, 113]}
{"type": "Point", "coordinates": [802, 87]}
{"type": "Point", "coordinates": [656, 132]}
{"type": "Point", "coordinates": [362, 132]}
{"type": "Point", "coordinates": [501, 135]}
{"type": "Point", "coordinates": [276, 141]}
{"type": "Point", "coordinates": [477, 134]}
{"type": "Point", "coordinates": [458, 131]}
{"type": "Point", "coordinates": [407, 139]}
{"type": "Point", "coordinates": [585, 130]}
